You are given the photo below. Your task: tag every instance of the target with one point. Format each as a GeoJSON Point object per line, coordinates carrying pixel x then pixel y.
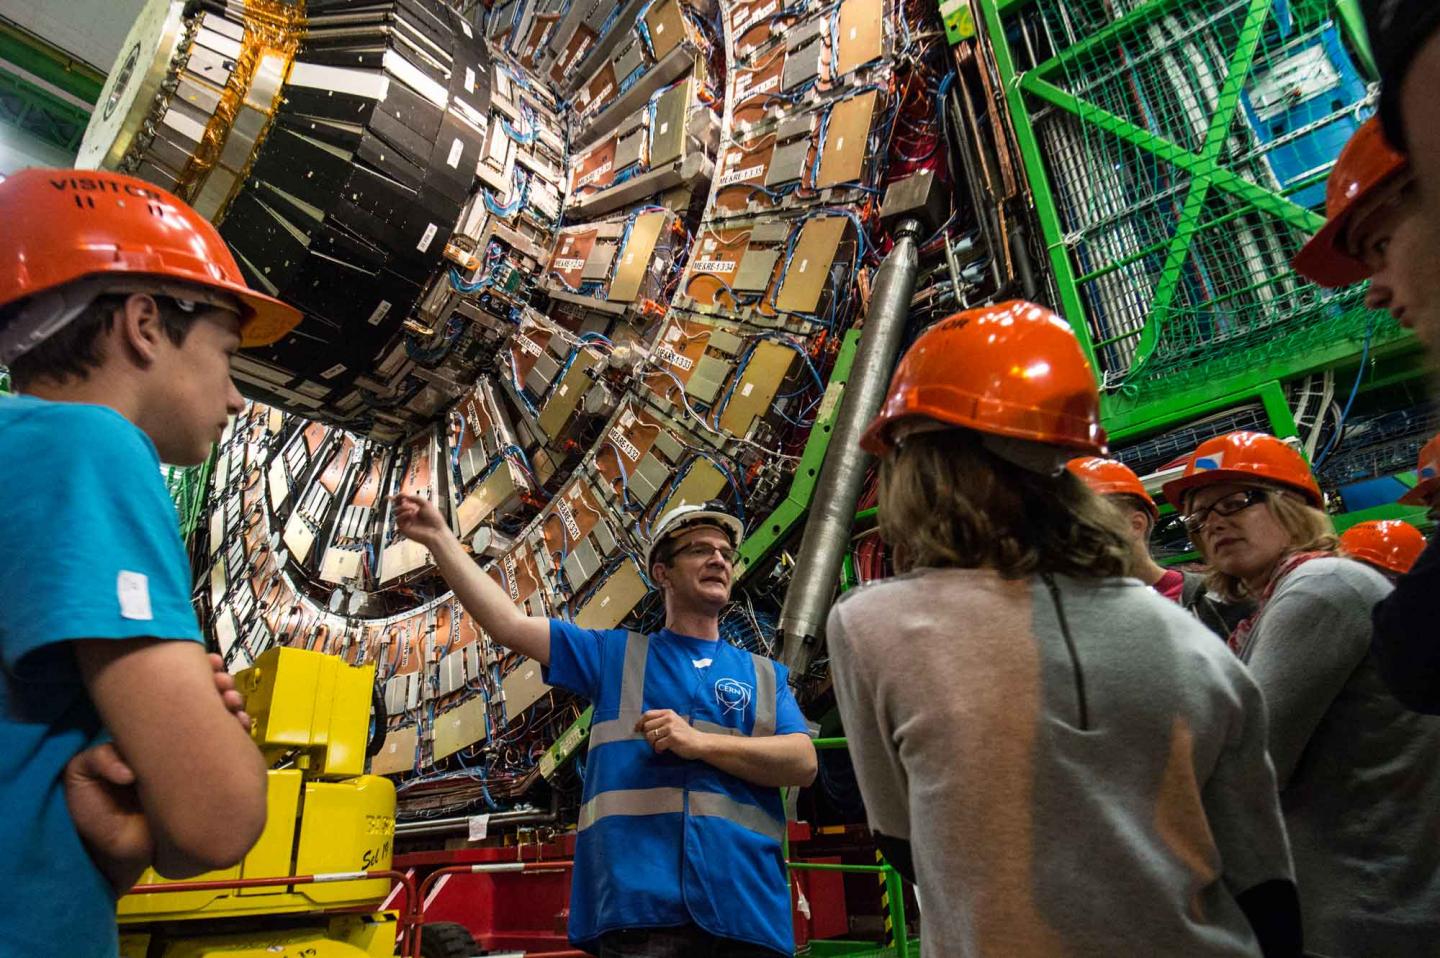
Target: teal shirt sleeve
{"type": "Point", "coordinates": [93, 542]}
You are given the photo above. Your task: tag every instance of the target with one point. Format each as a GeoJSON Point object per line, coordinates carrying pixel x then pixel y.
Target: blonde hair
{"type": "Point", "coordinates": [946, 501]}
{"type": "Point", "coordinates": [1309, 529]}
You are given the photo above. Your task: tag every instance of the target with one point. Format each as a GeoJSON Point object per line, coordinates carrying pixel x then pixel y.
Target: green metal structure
{"type": "Point", "coordinates": [1177, 153]}
{"type": "Point", "coordinates": [31, 107]}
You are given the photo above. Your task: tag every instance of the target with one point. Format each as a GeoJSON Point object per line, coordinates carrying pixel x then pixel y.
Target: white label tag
{"type": "Point", "coordinates": [712, 266]}
{"type": "Point", "coordinates": [701, 663]}
{"type": "Point", "coordinates": [466, 27]}
{"type": "Point", "coordinates": [333, 371]}
{"type": "Point", "coordinates": [510, 577]}
{"type": "Point", "coordinates": [747, 389]}
{"type": "Point", "coordinates": [456, 148]}
{"type": "Point", "coordinates": [664, 128]}
{"type": "Point", "coordinates": [526, 344]}
{"type": "Point", "coordinates": [479, 827]}
{"type": "Point", "coordinates": [674, 359]}
{"type": "Point", "coordinates": [659, 29]}
{"type": "Point", "coordinates": [425, 240]}
{"type": "Point", "coordinates": [569, 264]}
{"type": "Point", "coordinates": [567, 516]}
{"type": "Point", "coordinates": [593, 175]}
{"type": "Point", "coordinates": [624, 444]}
{"type": "Point", "coordinates": [469, 80]}
{"type": "Point", "coordinates": [564, 389]}
{"type": "Point", "coordinates": [839, 143]}
{"type": "Point", "coordinates": [380, 312]}
{"type": "Point", "coordinates": [133, 590]}
{"type": "Point", "coordinates": [740, 176]}
{"type": "Point", "coordinates": [765, 87]}
{"type": "Point", "coordinates": [803, 263]}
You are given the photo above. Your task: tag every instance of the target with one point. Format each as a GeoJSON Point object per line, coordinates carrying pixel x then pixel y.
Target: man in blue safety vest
{"type": "Point", "coordinates": [680, 830]}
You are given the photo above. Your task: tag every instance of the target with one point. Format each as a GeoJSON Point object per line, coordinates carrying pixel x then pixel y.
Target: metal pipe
{"type": "Point", "coordinates": [832, 512]}
{"type": "Point", "coordinates": [460, 823]}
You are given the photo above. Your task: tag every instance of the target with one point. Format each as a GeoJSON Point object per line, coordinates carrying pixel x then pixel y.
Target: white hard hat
{"type": "Point", "coordinates": [692, 514]}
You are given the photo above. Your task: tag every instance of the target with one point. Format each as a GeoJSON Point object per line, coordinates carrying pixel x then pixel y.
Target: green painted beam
{"type": "Point", "coordinates": [50, 63]}
{"type": "Point", "coordinates": [1071, 306]}
{"type": "Point", "coordinates": [1262, 199]}
{"type": "Point", "coordinates": [1237, 71]}
{"type": "Point", "coordinates": [40, 113]}
{"type": "Point", "coordinates": [1127, 418]}
{"type": "Point", "coordinates": [789, 513]}
{"type": "Point", "coordinates": [1352, 19]}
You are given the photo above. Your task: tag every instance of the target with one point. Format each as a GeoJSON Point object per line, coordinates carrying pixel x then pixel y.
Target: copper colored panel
{"type": "Point", "coordinates": [743, 167]}
{"type": "Point", "coordinates": [713, 261]}
{"type": "Point", "coordinates": [678, 351]}
{"type": "Point", "coordinates": [612, 601]}
{"type": "Point", "coordinates": [754, 87]}
{"type": "Point", "coordinates": [666, 25]}
{"type": "Point", "coordinates": [580, 42]}
{"type": "Point", "coordinates": [810, 261]}
{"type": "Point", "coordinates": [599, 91]}
{"type": "Point", "coordinates": [335, 469]}
{"type": "Point", "coordinates": [397, 754]}
{"type": "Point", "coordinates": [635, 257]}
{"type": "Point", "coordinates": [595, 168]}
{"type": "Point", "coordinates": [759, 382]}
{"type": "Point", "coordinates": [861, 33]}
{"type": "Point", "coordinates": [847, 138]}
{"type": "Point", "coordinates": [629, 438]}
{"type": "Point", "coordinates": [315, 436]}
{"type": "Point", "coordinates": [456, 728]}
{"type": "Point", "coordinates": [701, 484]}
{"type": "Point", "coordinates": [572, 249]}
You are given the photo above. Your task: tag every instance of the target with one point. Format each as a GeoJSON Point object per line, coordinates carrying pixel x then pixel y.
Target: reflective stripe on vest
{"type": "Point", "coordinates": [663, 801]}
{"type": "Point", "coordinates": [632, 698]}
{"type": "Point", "coordinates": [632, 695]}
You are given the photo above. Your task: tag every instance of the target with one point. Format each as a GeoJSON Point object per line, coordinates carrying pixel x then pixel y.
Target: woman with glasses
{"type": "Point", "coordinates": [1359, 776]}
{"type": "Point", "coordinates": [1067, 763]}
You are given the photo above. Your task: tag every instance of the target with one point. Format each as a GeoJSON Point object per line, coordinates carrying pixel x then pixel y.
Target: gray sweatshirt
{"type": "Point", "coordinates": [1036, 830]}
{"type": "Point", "coordinates": [1359, 775]}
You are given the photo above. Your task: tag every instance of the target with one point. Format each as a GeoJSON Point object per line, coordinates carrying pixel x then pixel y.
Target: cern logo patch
{"type": "Point", "coordinates": [733, 695]}
{"type": "Point", "coordinates": [1210, 462]}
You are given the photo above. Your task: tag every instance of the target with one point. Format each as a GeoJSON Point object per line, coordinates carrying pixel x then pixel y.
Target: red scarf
{"type": "Point", "coordinates": [1239, 640]}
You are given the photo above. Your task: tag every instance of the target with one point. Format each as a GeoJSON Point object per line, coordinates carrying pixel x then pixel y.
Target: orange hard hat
{"type": "Point", "coordinates": [1245, 458]}
{"type": "Point", "coordinates": [1427, 471]}
{"type": "Point", "coordinates": [67, 226]}
{"type": "Point", "coordinates": [1013, 369]}
{"type": "Point", "coordinates": [1390, 544]}
{"type": "Point", "coordinates": [1108, 477]}
{"type": "Point", "coordinates": [1367, 163]}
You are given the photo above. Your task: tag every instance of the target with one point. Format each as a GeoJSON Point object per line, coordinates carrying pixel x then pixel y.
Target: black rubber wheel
{"type": "Point", "coordinates": [447, 939]}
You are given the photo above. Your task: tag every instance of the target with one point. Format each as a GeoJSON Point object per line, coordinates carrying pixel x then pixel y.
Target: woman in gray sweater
{"type": "Point", "coordinates": [1359, 776]}
{"type": "Point", "coordinates": [1066, 763]}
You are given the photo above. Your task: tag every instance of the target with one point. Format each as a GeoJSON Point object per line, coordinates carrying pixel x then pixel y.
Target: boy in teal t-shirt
{"type": "Point", "coordinates": [120, 310]}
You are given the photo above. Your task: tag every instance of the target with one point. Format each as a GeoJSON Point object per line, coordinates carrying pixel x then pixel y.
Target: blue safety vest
{"type": "Point", "coordinates": [665, 841]}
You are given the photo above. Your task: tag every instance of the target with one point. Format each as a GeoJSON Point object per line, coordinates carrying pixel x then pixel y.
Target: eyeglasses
{"type": "Point", "coordinates": [1233, 504]}
{"type": "Point", "coordinates": [702, 551]}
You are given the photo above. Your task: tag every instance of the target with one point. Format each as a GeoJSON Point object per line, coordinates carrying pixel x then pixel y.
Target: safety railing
{"type": "Point", "coordinates": [894, 888]}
